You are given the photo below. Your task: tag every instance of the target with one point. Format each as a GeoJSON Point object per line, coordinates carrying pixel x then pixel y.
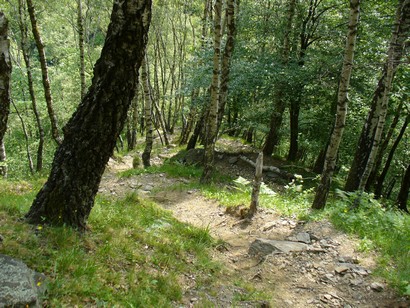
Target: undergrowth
{"type": "Point", "coordinates": [136, 254]}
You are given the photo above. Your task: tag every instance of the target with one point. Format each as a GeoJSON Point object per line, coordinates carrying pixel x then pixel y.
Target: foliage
{"type": "Point", "coordinates": [380, 228]}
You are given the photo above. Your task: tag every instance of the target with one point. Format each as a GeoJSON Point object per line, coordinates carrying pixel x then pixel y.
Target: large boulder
{"type": "Point", "coordinates": [19, 285]}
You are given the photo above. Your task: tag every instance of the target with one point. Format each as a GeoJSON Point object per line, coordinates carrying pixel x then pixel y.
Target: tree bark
{"type": "Point", "coordinates": [24, 48]}
{"type": "Point", "coordinates": [404, 191]}
{"type": "Point", "coordinates": [226, 59]}
{"type": "Point", "coordinates": [370, 137]}
{"type": "Point", "coordinates": [382, 177]}
{"type": "Point", "coordinates": [90, 135]}
{"type": "Point", "coordinates": [44, 73]}
{"type": "Point", "coordinates": [212, 118]}
{"type": "Point", "coordinates": [146, 155]}
{"type": "Point", "coordinates": [379, 157]}
{"type": "Point", "coordinates": [400, 35]}
{"type": "Point", "coordinates": [5, 75]}
{"type": "Point", "coordinates": [333, 148]}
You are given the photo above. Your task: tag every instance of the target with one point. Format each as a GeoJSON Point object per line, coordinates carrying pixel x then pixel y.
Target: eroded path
{"type": "Point", "coordinates": [330, 273]}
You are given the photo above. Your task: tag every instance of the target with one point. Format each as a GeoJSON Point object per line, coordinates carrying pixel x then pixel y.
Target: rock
{"type": "Point", "coordinates": [268, 226]}
{"type": "Point", "coordinates": [19, 285]}
{"type": "Point", "coordinates": [356, 282]}
{"type": "Point", "coordinates": [342, 268]}
{"type": "Point", "coordinates": [233, 160]}
{"type": "Point", "coordinates": [147, 187]}
{"type": "Point", "coordinates": [377, 286]}
{"type": "Point", "coordinates": [302, 237]}
{"type": "Point", "coordinates": [263, 247]}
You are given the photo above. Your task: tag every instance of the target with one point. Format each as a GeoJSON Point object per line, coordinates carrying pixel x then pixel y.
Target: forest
{"type": "Point", "coordinates": [138, 138]}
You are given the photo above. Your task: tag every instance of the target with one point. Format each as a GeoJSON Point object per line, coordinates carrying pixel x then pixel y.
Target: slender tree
{"type": "Point", "coordinates": [380, 179]}
{"type": "Point", "coordinates": [27, 61]}
{"type": "Point", "coordinates": [44, 73]}
{"type": "Point", "coordinates": [146, 155]}
{"type": "Point", "coordinates": [5, 74]}
{"type": "Point", "coordinates": [212, 118]}
{"type": "Point", "coordinates": [322, 190]}
{"type": "Point", "coordinates": [272, 139]}
{"type": "Point", "coordinates": [91, 134]}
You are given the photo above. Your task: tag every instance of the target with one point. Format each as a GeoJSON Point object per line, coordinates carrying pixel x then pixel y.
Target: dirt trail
{"type": "Point", "coordinates": [330, 274]}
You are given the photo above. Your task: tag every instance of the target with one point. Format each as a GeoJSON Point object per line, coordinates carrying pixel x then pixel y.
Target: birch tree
{"type": "Point", "coordinates": [91, 134]}
{"type": "Point", "coordinates": [322, 190]}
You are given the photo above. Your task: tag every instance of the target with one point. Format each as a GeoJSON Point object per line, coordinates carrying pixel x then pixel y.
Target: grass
{"type": "Point", "coordinates": [136, 254]}
{"type": "Point", "coordinates": [380, 228]}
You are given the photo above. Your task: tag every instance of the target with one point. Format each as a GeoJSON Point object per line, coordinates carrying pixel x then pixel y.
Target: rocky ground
{"type": "Point", "coordinates": [295, 263]}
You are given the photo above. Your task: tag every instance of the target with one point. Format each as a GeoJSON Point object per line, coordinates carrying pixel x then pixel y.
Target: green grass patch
{"type": "Point", "coordinates": [135, 255]}
{"type": "Point", "coordinates": [173, 169]}
{"type": "Point", "coordinates": [382, 229]}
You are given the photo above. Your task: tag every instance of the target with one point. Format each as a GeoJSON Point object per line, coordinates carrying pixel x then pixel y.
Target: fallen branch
{"type": "Point", "coordinates": [283, 174]}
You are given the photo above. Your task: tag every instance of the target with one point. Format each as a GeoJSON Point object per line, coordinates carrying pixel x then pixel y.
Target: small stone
{"type": "Point", "coordinates": [356, 282]}
{"type": "Point", "coordinates": [268, 226]}
{"type": "Point", "coordinates": [233, 160]}
{"type": "Point", "coordinates": [377, 286]}
{"type": "Point", "coordinates": [341, 269]}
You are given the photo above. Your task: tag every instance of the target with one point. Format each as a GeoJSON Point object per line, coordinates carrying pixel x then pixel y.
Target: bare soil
{"type": "Point", "coordinates": [302, 279]}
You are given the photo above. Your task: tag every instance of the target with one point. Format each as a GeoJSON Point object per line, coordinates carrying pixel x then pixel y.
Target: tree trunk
{"type": "Point", "coordinates": [5, 75]}
{"type": "Point", "coordinates": [332, 150]}
{"type": "Point", "coordinates": [379, 157]}
{"type": "Point", "coordinates": [382, 177]}
{"type": "Point", "coordinates": [44, 73]}
{"type": "Point", "coordinates": [146, 155]}
{"type": "Point", "coordinates": [400, 35]}
{"type": "Point", "coordinates": [23, 126]}
{"type": "Point", "coordinates": [294, 128]}
{"type": "Point", "coordinates": [212, 118]}
{"type": "Point", "coordinates": [272, 139]}
{"type": "Point", "coordinates": [24, 48]}
{"type": "Point", "coordinates": [368, 143]}
{"type": "Point", "coordinates": [81, 47]}
{"type": "Point", "coordinates": [133, 124]}
{"type": "Point", "coordinates": [90, 135]}
{"type": "Point", "coordinates": [404, 191]}
{"type": "Point", "coordinates": [226, 59]}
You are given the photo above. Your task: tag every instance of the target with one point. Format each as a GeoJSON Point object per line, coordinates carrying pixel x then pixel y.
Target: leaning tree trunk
{"type": "Point", "coordinates": [400, 35]}
{"type": "Point", "coordinates": [90, 135]}
{"type": "Point", "coordinates": [404, 191]}
{"type": "Point", "coordinates": [44, 73]}
{"type": "Point", "coordinates": [370, 136]}
{"type": "Point", "coordinates": [331, 153]}
{"type": "Point", "coordinates": [5, 74]}
{"type": "Point", "coordinates": [380, 180]}
{"type": "Point", "coordinates": [25, 51]}
{"type": "Point", "coordinates": [379, 157]}
{"type": "Point", "coordinates": [212, 118]}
